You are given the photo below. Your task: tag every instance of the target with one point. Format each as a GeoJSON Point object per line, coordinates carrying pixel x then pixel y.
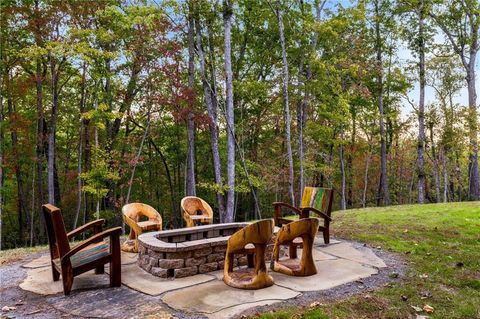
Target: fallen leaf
{"type": "Point", "coordinates": [417, 309]}
{"type": "Point", "coordinates": [314, 304]}
{"type": "Point", "coordinates": [405, 231]}
{"type": "Point", "coordinates": [428, 308]}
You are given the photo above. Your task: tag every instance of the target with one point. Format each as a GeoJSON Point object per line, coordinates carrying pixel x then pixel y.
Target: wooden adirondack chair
{"type": "Point", "coordinates": [196, 211]}
{"type": "Point", "coordinates": [314, 199]}
{"type": "Point", "coordinates": [92, 253]}
{"type": "Point", "coordinates": [257, 234]}
{"type": "Point", "coordinates": [306, 229]}
{"type": "Point", "coordinates": [132, 214]}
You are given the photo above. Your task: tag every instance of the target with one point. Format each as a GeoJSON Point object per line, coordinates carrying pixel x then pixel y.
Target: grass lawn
{"type": "Point", "coordinates": [440, 242]}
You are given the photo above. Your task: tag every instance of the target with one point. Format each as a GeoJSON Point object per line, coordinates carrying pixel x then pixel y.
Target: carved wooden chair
{"type": "Point", "coordinates": [257, 234]}
{"type": "Point", "coordinates": [196, 211]}
{"type": "Point", "coordinates": [92, 253]}
{"type": "Point", "coordinates": [132, 215]}
{"type": "Point", "coordinates": [314, 199]}
{"type": "Point", "coordinates": [306, 229]}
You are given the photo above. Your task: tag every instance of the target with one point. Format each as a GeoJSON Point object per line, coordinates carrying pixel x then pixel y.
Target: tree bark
{"type": "Point", "coordinates": [343, 203]}
{"type": "Point", "coordinates": [421, 107]}
{"type": "Point", "coordinates": [55, 74]}
{"type": "Point", "coordinates": [190, 187]}
{"type": "Point", "coordinates": [210, 97]}
{"type": "Point", "coordinates": [286, 107]}
{"type": "Point", "coordinates": [229, 110]}
{"type": "Point", "coordinates": [80, 146]}
{"type": "Point", "coordinates": [434, 165]}
{"type": "Point", "coordinates": [384, 196]}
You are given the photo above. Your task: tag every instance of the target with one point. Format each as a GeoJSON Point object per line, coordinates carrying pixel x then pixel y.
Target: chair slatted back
{"type": "Point", "coordinates": [319, 198]}
{"type": "Point", "coordinates": [57, 235]}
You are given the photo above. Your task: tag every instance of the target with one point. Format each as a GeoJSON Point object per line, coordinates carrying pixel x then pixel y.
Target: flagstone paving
{"type": "Point", "coordinates": [203, 295]}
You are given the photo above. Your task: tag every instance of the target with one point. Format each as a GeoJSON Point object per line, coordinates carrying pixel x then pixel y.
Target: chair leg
{"type": "Point", "coordinates": [250, 260]}
{"type": "Point", "coordinates": [326, 236]}
{"type": "Point", "coordinates": [292, 251]}
{"type": "Point", "coordinates": [55, 274]}
{"type": "Point", "coordinates": [100, 270]}
{"type": "Point", "coordinates": [115, 264]}
{"type": "Point", "coordinates": [67, 279]}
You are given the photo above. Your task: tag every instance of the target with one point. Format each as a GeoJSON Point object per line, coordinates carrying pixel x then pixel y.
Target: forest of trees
{"type": "Point", "coordinates": [240, 102]}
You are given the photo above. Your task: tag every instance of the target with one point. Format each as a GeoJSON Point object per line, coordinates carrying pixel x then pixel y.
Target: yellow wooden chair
{"type": "Point", "coordinates": [196, 211]}
{"type": "Point", "coordinates": [132, 215]}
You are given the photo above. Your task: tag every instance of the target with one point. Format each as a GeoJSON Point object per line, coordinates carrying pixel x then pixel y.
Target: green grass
{"type": "Point", "coordinates": [440, 242]}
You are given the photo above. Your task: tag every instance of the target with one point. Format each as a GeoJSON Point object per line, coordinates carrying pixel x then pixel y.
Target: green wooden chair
{"type": "Point", "coordinates": [316, 200]}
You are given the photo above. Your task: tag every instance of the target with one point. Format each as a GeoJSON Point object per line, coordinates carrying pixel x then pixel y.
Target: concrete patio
{"type": "Point", "coordinates": [338, 263]}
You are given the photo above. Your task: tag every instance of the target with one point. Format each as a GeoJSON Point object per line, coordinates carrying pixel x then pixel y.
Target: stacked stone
{"type": "Point", "coordinates": [185, 263]}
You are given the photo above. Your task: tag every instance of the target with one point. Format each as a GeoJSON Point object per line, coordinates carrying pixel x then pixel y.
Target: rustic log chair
{"type": "Point", "coordinates": [314, 199]}
{"type": "Point", "coordinates": [306, 229]}
{"type": "Point", "coordinates": [196, 211]}
{"type": "Point", "coordinates": [258, 234]}
{"type": "Point", "coordinates": [132, 215]}
{"type": "Point", "coordinates": [92, 253]}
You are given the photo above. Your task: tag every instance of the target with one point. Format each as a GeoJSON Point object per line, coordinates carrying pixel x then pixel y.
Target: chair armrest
{"type": "Point", "coordinates": [113, 233]}
{"type": "Point", "coordinates": [280, 205]}
{"type": "Point", "coordinates": [316, 211]}
{"type": "Point", "coordinates": [96, 225]}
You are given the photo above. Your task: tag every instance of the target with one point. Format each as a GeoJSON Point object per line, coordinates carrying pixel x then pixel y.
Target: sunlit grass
{"type": "Point", "coordinates": [440, 242]}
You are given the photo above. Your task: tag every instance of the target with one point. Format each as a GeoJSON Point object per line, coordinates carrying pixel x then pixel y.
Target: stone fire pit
{"type": "Point", "coordinates": [188, 251]}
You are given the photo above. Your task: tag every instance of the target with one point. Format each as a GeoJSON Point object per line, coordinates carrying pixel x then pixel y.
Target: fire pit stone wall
{"type": "Point", "coordinates": [188, 251]}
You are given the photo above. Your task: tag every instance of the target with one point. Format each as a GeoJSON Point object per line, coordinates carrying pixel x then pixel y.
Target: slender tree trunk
{"type": "Point", "coordinates": [445, 175]}
{"type": "Point", "coordinates": [365, 177]}
{"type": "Point", "coordinates": [80, 147]}
{"type": "Point", "coordinates": [229, 109]}
{"type": "Point", "coordinates": [190, 189]}
{"type": "Point", "coordinates": [55, 73]}
{"type": "Point", "coordinates": [210, 99]}
{"type": "Point", "coordinates": [343, 203]}
{"type": "Point", "coordinates": [286, 107]}
{"type": "Point", "coordinates": [421, 108]}
{"type": "Point", "coordinates": [384, 191]}
{"type": "Point", "coordinates": [474, 192]}
{"type": "Point", "coordinates": [434, 165]}
{"type": "Point", "coordinates": [169, 178]}
{"type": "Point", "coordinates": [137, 157]}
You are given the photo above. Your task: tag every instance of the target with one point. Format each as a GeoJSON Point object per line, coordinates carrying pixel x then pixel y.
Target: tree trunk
{"type": "Point", "coordinates": [80, 147]}
{"type": "Point", "coordinates": [421, 108]}
{"type": "Point", "coordinates": [474, 192]}
{"type": "Point", "coordinates": [445, 175]}
{"type": "Point", "coordinates": [190, 189]}
{"type": "Point", "coordinates": [55, 73]}
{"type": "Point", "coordinates": [286, 107]}
{"type": "Point", "coordinates": [210, 99]}
{"type": "Point", "coordinates": [137, 157]}
{"type": "Point", "coordinates": [343, 203]}
{"type": "Point", "coordinates": [435, 165]}
{"type": "Point", "coordinates": [229, 109]}
{"type": "Point", "coordinates": [384, 195]}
